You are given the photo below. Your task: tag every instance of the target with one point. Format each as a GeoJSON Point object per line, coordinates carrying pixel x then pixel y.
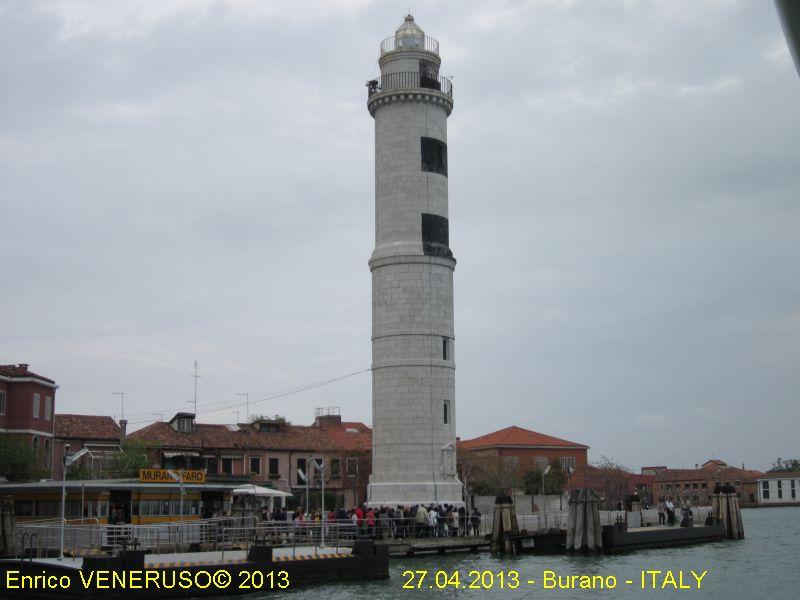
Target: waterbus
{"type": "Point", "coordinates": [119, 501]}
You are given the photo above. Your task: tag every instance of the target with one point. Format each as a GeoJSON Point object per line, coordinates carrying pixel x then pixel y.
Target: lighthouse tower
{"type": "Point", "coordinates": [413, 350]}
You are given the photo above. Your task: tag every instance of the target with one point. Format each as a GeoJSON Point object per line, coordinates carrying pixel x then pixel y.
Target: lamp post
{"type": "Point", "coordinates": [63, 498]}
{"type": "Point", "coordinates": [570, 471]}
{"type": "Point", "coordinates": [178, 476]}
{"type": "Point", "coordinates": [355, 483]}
{"type": "Point", "coordinates": [320, 466]}
{"type": "Point", "coordinates": [545, 471]}
{"type": "Point", "coordinates": [67, 462]}
{"type": "Point", "coordinates": [304, 477]}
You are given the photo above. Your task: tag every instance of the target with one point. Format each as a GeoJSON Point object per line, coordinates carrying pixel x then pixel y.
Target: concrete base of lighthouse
{"type": "Point", "coordinates": [416, 493]}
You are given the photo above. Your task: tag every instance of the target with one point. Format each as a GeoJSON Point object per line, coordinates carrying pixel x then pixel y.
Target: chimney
{"type": "Point", "coordinates": [328, 421]}
{"type": "Point", "coordinates": [696, 466]}
{"type": "Point", "coordinates": [24, 367]}
{"type": "Point", "coordinates": [328, 417]}
{"type": "Point", "coordinates": [123, 427]}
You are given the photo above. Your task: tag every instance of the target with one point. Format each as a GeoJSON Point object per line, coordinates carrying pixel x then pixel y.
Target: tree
{"type": "Point", "coordinates": [79, 471]}
{"type": "Point", "coordinates": [18, 460]}
{"type": "Point", "coordinates": [486, 474]}
{"type": "Point", "coordinates": [785, 466]}
{"type": "Point", "coordinates": [553, 480]}
{"type": "Point", "coordinates": [129, 460]}
{"type": "Point", "coordinates": [276, 418]}
{"type": "Point", "coordinates": [610, 479]}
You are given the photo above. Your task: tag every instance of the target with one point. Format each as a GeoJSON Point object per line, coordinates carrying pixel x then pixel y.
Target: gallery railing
{"type": "Point", "coordinates": [409, 80]}
{"type": "Point", "coordinates": [393, 43]}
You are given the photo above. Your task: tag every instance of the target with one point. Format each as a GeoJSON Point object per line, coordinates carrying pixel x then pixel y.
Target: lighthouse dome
{"type": "Point", "coordinates": [409, 35]}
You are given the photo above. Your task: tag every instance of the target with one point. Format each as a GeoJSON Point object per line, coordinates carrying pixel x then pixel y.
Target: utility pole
{"type": "Point", "coordinates": [247, 397]}
{"type": "Point", "coordinates": [122, 396]}
{"type": "Point", "coordinates": [196, 377]}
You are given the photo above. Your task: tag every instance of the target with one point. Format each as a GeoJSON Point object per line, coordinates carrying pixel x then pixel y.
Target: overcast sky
{"type": "Point", "coordinates": [194, 180]}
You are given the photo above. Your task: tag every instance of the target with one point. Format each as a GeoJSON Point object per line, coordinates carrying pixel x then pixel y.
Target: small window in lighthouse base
{"type": "Point", "coordinates": [434, 156]}
{"type": "Point", "coordinates": [446, 411]}
{"type": "Point", "coordinates": [444, 348]}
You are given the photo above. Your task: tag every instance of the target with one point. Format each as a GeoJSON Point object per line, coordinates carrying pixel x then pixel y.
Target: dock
{"type": "Point", "coordinates": [619, 538]}
{"type": "Point", "coordinates": [436, 544]}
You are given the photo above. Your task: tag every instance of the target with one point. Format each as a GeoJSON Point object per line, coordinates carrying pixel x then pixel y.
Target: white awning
{"type": "Point", "coordinates": [185, 453]}
{"type": "Point", "coordinates": [259, 490]}
{"type": "Point", "coordinates": [233, 456]}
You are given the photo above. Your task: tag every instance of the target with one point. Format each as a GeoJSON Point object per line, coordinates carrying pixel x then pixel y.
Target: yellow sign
{"type": "Point", "coordinates": [171, 476]}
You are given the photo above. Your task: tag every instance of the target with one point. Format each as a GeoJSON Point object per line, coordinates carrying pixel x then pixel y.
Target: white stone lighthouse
{"type": "Point", "coordinates": [413, 350]}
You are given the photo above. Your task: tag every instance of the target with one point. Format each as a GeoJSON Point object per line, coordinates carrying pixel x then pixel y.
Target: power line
{"type": "Point", "coordinates": [270, 396]}
{"type": "Point", "coordinates": [305, 388]}
{"type": "Point", "coordinates": [222, 404]}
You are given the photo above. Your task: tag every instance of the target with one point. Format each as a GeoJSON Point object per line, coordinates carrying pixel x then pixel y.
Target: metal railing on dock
{"type": "Point", "coordinates": [229, 533]}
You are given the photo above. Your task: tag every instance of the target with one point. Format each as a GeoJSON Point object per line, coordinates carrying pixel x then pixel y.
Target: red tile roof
{"type": "Point", "coordinates": [20, 371]}
{"type": "Point", "coordinates": [360, 427]}
{"type": "Point", "coordinates": [780, 475]}
{"type": "Point", "coordinates": [710, 469]}
{"type": "Point", "coordinates": [86, 427]}
{"type": "Point", "coordinates": [516, 436]}
{"type": "Point", "coordinates": [350, 436]}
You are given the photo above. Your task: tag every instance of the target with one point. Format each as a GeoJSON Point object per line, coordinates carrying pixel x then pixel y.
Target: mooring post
{"type": "Point", "coordinates": [584, 530]}
{"type": "Point", "coordinates": [7, 523]}
{"type": "Point", "coordinates": [727, 512]}
{"type": "Point", "coordinates": [504, 526]}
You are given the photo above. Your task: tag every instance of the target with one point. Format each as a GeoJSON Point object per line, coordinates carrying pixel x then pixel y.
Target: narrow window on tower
{"type": "Point", "coordinates": [435, 236]}
{"type": "Point", "coordinates": [434, 156]}
{"type": "Point", "coordinates": [444, 348]}
{"type": "Point", "coordinates": [446, 411]}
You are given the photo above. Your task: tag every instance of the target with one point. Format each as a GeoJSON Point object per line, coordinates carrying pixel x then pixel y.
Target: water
{"type": "Point", "coordinates": [764, 565]}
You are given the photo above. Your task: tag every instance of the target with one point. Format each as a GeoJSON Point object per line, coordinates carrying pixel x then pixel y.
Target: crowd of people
{"type": "Point", "coordinates": [387, 522]}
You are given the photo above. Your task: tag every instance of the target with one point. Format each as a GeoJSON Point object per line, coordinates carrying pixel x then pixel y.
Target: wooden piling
{"type": "Point", "coordinates": [584, 530]}
{"type": "Point", "coordinates": [727, 512]}
{"type": "Point", "coordinates": [504, 527]}
{"type": "Point", "coordinates": [7, 523]}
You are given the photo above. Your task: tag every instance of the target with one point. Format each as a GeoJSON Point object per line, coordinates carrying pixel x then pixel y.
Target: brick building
{"type": "Point", "coordinates": [27, 406]}
{"type": "Point", "coordinates": [697, 485]}
{"type": "Point", "coordinates": [507, 455]}
{"type": "Point", "coordinates": [102, 436]}
{"type": "Point", "coordinates": [268, 452]}
{"type": "Point", "coordinates": [614, 485]}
